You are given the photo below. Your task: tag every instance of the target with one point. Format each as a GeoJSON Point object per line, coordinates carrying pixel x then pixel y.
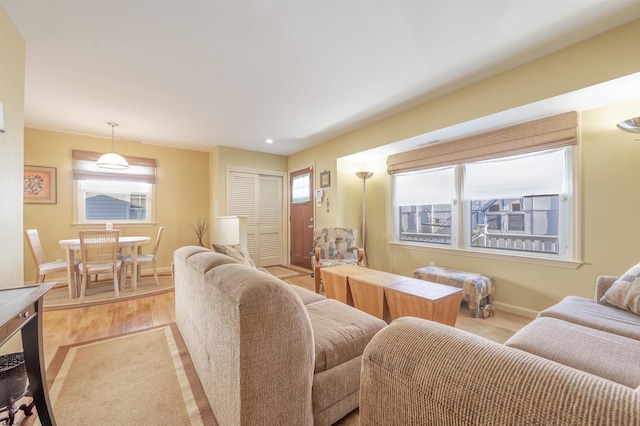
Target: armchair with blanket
{"type": "Point", "coordinates": [332, 247]}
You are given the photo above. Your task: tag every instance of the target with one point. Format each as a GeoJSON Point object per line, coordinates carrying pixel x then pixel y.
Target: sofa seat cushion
{"type": "Point", "coordinates": [586, 312]}
{"type": "Point", "coordinates": [587, 349]}
{"type": "Point", "coordinates": [307, 296]}
{"type": "Point", "coordinates": [340, 332]}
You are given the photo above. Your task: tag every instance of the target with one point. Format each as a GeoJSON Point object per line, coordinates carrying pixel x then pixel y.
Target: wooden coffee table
{"type": "Point", "coordinates": [423, 299]}
{"type": "Point", "coordinates": [367, 289]}
{"type": "Point", "coordinates": [334, 279]}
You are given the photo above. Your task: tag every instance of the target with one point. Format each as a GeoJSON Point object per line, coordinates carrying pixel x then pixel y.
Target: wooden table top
{"type": "Point", "coordinates": [373, 277]}
{"type": "Point", "coordinates": [343, 270]}
{"type": "Point", "coordinates": [424, 289]}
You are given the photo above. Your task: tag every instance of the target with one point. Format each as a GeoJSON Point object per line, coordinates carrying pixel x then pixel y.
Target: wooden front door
{"type": "Point", "coordinates": [301, 199]}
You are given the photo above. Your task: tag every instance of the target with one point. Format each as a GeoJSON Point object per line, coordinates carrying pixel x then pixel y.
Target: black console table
{"type": "Point", "coordinates": [21, 309]}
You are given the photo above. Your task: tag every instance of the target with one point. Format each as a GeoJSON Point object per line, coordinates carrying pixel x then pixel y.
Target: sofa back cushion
{"type": "Point", "coordinates": [250, 339]}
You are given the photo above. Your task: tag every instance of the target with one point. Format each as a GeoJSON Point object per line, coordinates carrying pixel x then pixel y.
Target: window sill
{"type": "Point", "coordinates": [555, 263]}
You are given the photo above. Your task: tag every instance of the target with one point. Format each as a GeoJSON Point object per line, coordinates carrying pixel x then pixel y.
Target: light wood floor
{"type": "Point", "coordinates": [64, 327]}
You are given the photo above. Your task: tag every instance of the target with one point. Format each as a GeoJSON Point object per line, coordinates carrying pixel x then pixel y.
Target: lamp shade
{"type": "Point", "coordinates": [1, 119]}
{"type": "Point", "coordinates": [111, 160]}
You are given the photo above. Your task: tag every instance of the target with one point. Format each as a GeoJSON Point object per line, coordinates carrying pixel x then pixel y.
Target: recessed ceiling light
{"type": "Point", "coordinates": [269, 141]}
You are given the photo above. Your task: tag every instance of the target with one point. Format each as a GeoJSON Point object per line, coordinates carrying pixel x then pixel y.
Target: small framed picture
{"type": "Point", "coordinates": [325, 179]}
{"type": "Point", "coordinates": [39, 185]}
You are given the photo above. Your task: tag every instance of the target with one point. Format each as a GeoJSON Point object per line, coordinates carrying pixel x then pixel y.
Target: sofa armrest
{"type": "Point", "coordinates": [603, 283]}
{"type": "Point", "coordinates": [421, 372]}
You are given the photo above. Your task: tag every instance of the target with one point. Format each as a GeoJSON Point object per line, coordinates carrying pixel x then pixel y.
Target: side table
{"type": "Point", "coordinates": [21, 310]}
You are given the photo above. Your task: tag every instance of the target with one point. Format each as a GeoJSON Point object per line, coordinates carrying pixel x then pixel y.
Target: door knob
{"type": "Point", "coordinates": [310, 226]}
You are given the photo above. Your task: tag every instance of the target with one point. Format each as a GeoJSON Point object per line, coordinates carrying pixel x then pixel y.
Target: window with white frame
{"type": "Point", "coordinates": [521, 203]}
{"type": "Point", "coordinates": [114, 196]}
{"type": "Point", "coordinates": [424, 205]}
{"type": "Point", "coordinates": [515, 186]}
{"type": "Point", "coordinates": [301, 188]}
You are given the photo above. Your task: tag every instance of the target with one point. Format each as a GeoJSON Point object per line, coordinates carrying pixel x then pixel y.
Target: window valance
{"type": "Point", "coordinates": [140, 169]}
{"type": "Point", "coordinates": [551, 132]}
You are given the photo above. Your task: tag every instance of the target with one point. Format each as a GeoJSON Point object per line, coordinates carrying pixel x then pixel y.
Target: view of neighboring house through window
{"type": "Point", "coordinates": [114, 200]}
{"type": "Point", "coordinates": [529, 223]}
{"type": "Point", "coordinates": [116, 196]}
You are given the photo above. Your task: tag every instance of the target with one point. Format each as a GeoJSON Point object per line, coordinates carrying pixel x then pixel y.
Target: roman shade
{"type": "Point", "coordinates": [547, 133]}
{"type": "Point", "coordinates": [140, 169]}
{"type": "Point", "coordinates": [439, 185]}
{"type": "Point", "coordinates": [540, 173]}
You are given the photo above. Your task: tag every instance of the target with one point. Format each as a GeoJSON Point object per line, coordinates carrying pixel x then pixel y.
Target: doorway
{"type": "Point", "coordinates": [259, 196]}
{"type": "Point", "coordinates": [301, 208]}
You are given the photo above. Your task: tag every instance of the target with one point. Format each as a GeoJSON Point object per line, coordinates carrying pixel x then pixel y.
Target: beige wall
{"type": "Point", "coordinates": [521, 287]}
{"type": "Point", "coordinates": [182, 193]}
{"type": "Point", "coordinates": [12, 65]}
{"type": "Point", "coordinates": [12, 60]}
{"type": "Point", "coordinates": [221, 158]}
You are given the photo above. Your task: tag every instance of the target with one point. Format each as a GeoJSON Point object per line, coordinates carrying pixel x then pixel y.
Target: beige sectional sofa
{"type": "Point", "coordinates": [266, 352]}
{"type": "Point", "coordinates": [578, 363]}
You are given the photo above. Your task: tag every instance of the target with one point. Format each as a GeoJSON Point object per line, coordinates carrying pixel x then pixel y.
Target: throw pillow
{"type": "Point", "coordinates": [235, 251]}
{"type": "Point", "coordinates": [625, 291]}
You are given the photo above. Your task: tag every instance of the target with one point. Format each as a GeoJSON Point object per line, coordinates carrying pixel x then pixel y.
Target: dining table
{"type": "Point", "coordinates": [70, 246]}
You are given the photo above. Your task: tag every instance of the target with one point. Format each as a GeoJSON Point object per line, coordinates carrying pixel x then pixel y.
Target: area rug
{"type": "Point", "coordinates": [102, 292]}
{"type": "Point", "coordinates": [140, 378]}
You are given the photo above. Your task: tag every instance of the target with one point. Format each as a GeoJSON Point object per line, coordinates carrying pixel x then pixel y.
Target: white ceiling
{"type": "Point", "coordinates": [195, 74]}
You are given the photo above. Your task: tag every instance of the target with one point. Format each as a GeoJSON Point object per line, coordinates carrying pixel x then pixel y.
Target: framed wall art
{"type": "Point", "coordinates": [40, 185]}
{"type": "Point", "coordinates": [325, 179]}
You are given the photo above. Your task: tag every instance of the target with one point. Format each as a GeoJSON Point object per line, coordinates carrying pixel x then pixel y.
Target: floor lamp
{"type": "Point", "coordinates": [364, 176]}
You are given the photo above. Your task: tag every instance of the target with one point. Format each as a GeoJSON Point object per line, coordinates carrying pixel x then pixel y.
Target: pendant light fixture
{"type": "Point", "coordinates": [111, 160]}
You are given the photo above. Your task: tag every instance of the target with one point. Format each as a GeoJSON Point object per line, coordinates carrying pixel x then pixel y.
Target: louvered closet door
{"type": "Point", "coordinates": [259, 197]}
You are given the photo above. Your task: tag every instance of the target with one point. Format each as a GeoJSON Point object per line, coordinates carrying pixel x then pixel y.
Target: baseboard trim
{"type": "Point", "coordinates": [517, 310]}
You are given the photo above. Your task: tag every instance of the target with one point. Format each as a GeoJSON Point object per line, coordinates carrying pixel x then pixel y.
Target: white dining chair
{"type": "Point", "coordinates": [145, 259]}
{"type": "Point", "coordinates": [122, 230]}
{"type": "Point", "coordinates": [42, 266]}
{"type": "Point", "coordinates": [99, 254]}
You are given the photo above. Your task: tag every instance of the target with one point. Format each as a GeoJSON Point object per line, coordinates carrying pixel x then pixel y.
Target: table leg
{"type": "Point", "coordinates": [34, 363]}
{"type": "Point", "coordinates": [134, 266]}
{"type": "Point", "coordinates": [71, 275]}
